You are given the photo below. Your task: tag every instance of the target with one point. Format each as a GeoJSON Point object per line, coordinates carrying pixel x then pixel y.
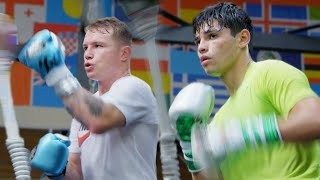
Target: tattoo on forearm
{"type": "Point", "coordinates": [74, 100]}
{"type": "Point", "coordinates": [94, 104]}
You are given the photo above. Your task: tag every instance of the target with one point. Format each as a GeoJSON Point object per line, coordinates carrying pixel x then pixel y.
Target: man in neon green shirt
{"type": "Point", "coordinates": [272, 87]}
{"type": "Point", "coordinates": [268, 127]}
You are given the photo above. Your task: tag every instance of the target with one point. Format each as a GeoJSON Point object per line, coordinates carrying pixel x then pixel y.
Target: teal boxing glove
{"type": "Point", "coordinates": [193, 104]}
{"type": "Point", "coordinates": [44, 53]}
{"type": "Point", "coordinates": [51, 155]}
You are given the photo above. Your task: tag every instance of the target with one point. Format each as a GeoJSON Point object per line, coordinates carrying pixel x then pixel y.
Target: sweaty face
{"type": "Point", "coordinates": [216, 48]}
{"type": "Point", "coordinates": [101, 54]}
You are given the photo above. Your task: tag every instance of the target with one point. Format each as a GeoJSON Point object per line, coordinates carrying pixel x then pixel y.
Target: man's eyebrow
{"type": "Point", "coordinates": [211, 30]}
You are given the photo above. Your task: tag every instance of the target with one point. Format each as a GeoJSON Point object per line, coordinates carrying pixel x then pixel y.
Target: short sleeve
{"type": "Point", "coordinates": [134, 98]}
{"type": "Point", "coordinates": [284, 85]}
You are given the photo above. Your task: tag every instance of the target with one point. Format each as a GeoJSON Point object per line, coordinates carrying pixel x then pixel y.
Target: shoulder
{"type": "Point", "coordinates": [131, 86]}
{"type": "Point", "coordinates": [274, 65]}
{"type": "Point", "coordinates": [131, 80]}
{"type": "Point", "coordinates": [276, 69]}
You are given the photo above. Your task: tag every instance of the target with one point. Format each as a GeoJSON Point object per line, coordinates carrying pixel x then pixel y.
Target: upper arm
{"type": "Point", "coordinates": [303, 123]}
{"type": "Point", "coordinates": [92, 111]}
{"type": "Point", "coordinates": [133, 99]}
{"type": "Point", "coordinates": [308, 108]}
{"type": "Point", "coordinates": [295, 103]}
{"type": "Point", "coordinates": [285, 86]}
{"type": "Point", "coordinates": [128, 100]}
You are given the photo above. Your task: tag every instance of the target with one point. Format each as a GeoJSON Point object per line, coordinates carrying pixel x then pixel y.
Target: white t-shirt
{"type": "Point", "coordinates": [125, 153]}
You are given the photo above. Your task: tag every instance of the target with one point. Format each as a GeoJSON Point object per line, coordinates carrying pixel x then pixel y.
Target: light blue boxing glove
{"type": "Point", "coordinates": [44, 53]}
{"type": "Point", "coordinates": [51, 155]}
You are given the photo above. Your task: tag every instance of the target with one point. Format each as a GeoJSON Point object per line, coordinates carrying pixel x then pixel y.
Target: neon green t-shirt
{"type": "Point", "coordinates": [269, 86]}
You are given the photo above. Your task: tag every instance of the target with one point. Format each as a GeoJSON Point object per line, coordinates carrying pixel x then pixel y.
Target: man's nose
{"type": "Point", "coordinates": [88, 54]}
{"type": "Point", "coordinates": [202, 47]}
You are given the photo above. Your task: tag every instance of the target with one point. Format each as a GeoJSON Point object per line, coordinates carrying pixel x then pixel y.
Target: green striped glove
{"type": "Point", "coordinates": [192, 105]}
{"type": "Point", "coordinates": [236, 135]}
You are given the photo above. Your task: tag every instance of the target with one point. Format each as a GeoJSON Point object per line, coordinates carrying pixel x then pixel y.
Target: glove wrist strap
{"type": "Point", "coordinates": [59, 176]}
{"type": "Point", "coordinates": [262, 130]}
{"type": "Point", "coordinates": [252, 132]}
{"type": "Point", "coordinates": [64, 83]}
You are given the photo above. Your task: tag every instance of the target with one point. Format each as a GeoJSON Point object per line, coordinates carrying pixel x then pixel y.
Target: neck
{"type": "Point", "coordinates": [104, 86]}
{"type": "Point", "coordinates": [235, 75]}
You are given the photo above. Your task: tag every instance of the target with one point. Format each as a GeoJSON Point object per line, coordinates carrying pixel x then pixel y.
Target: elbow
{"type": "Point", "coordinates": [100, 126]}
{"type": "Point", "coordinates": [97, 129]}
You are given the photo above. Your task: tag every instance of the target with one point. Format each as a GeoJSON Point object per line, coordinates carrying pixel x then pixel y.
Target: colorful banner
{"type": "Point", "coordinates": [179, 63]}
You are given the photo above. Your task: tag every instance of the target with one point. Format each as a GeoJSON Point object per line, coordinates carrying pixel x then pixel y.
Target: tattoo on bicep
{"type": "Point", "coordinates": [94, 104]}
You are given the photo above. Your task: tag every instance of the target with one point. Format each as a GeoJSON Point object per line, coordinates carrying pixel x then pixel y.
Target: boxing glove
{"type": "Point", "coordinates": [236, 134]}
{"type": "Point", "coordinates": [193, 104]}
{"type": "Point", "coordinates": [51, 155]}
{"type": "Point", "coordinates": [44, 53]}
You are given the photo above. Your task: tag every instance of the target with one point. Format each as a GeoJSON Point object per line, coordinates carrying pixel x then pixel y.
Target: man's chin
{"type": "Point", "coordinates": [90, 76]}
{"type": "Point", "coordinates": [214, 74]}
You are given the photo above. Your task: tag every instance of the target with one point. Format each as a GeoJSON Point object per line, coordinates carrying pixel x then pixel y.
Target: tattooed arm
{"type": "Point", "coordinates": [92, 111]}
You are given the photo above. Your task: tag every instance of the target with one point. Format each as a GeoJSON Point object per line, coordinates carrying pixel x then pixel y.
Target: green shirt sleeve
{"type": "Point", "coordinates": [284, 85]}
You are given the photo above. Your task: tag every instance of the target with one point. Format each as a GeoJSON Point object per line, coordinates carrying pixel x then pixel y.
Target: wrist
{"type": "Point", "coordinates": [261, 130]}
{"type": "Point", "coordinates": [62, 80]}
{"type": "Point", "coordinates": [58, 176]}
{"type": "Point", "coordinates": [192, 165]}
{"type": "Point", "coordinates": [252, 132]}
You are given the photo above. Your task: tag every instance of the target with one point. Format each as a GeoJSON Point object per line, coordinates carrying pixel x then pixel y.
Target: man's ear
{"type": "Point", "coordinates": [125, 53]}
{"type": "Point", "coordinates": [244, 37]}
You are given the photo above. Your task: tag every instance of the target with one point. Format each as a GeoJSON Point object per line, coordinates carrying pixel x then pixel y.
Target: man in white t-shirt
{"type": "Point", "coordinates": [114, 132]}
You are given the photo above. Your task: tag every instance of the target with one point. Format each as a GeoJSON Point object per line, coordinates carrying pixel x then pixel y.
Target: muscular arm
{"type": "Point", "coordinates": [303, 123]}
{"type": "Point", "coordinates": [92, 111]}
{"type": "Point", "coordinates": [74, 171]}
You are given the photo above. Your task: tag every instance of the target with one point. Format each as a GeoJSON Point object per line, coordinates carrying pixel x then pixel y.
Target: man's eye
{"type": "Point", "coordinates": [212, 36]}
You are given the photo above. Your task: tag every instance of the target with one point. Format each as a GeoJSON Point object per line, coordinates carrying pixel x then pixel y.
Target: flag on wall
{"type": "Point", "coordinates": [62, 13]}
{"type": "Point", "coordinates": [312, 67]}
{"type": "Point", "coordinates": [26, 15]}
{"type": "Point", "coordinates": [186, 68]}
{"type": "Point", "coordinates": [140, 65]}
{"type": "Point", "coordinates": [177, 68]}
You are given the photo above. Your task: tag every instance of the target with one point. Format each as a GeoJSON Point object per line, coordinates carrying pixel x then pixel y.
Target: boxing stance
{"type": "Point", "coordinates": [45, 53]}
{"type": "Point", "coordinates": [114, 132]}
{"type": "Point", "coordinates": [269, 126]}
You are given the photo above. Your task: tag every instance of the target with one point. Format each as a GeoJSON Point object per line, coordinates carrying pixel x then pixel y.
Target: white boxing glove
{"type": "Point", "coordinates": [193, 104]}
